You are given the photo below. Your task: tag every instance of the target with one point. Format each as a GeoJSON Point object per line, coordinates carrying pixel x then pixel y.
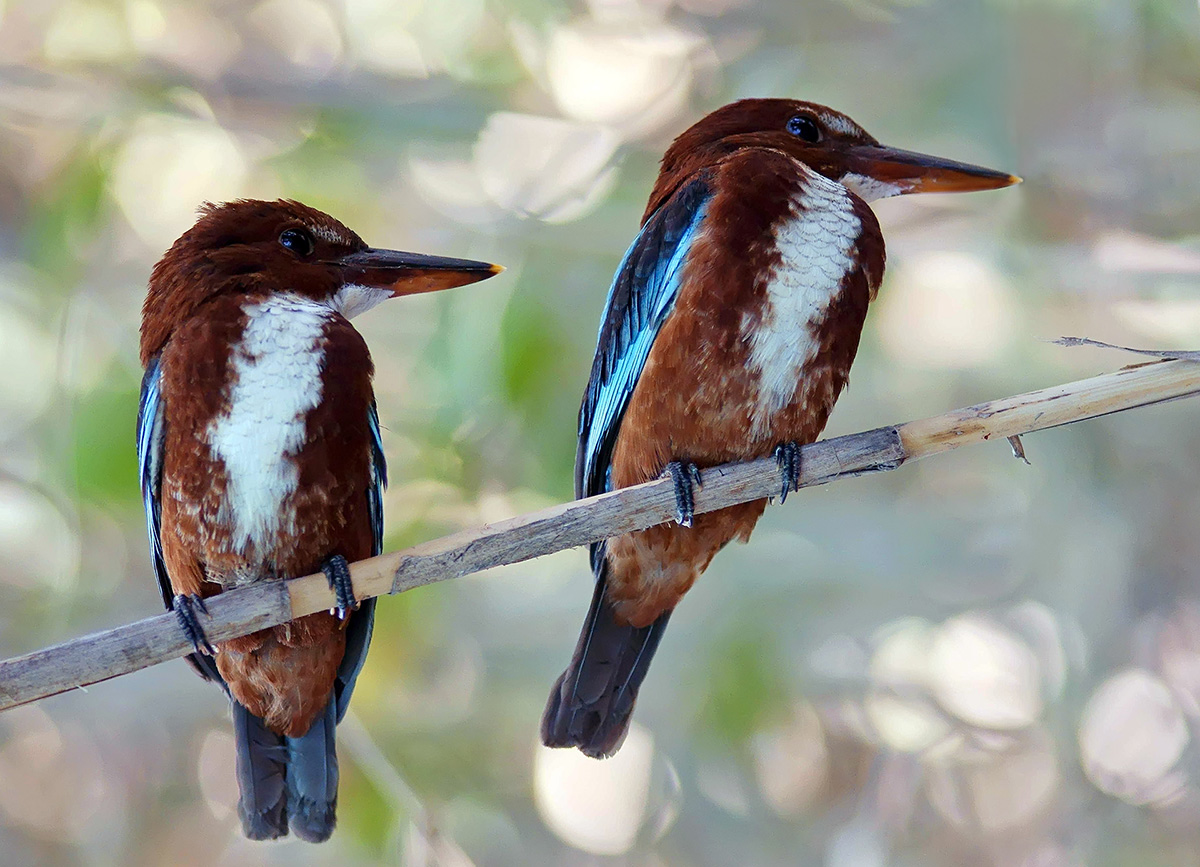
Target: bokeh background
{"type": "Point", "coordinates": [970, 661]}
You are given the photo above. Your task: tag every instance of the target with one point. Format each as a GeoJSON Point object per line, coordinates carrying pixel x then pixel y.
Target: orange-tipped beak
{"type": "Point", "coordinates": [911, 172]}
{"type": "Point", "coordinates": [412, 273]}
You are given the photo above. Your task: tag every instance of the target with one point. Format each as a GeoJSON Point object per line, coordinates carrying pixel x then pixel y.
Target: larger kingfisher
{"type": "Point", "coordinates": [727, 335]}
{"type": "Point", "coordinates": [261, 459]}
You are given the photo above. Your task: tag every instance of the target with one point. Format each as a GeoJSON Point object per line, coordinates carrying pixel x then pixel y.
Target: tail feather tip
{"type": "Point", "coordinates": [567, 723]}
{"type": "Point", "coordinates": [268, 824]}
{"type": "Point", "coordinates": [313, 822]}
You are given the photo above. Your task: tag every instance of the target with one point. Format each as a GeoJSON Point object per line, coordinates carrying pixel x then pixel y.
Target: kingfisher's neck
{"type": "Point", "coordinates": [266, 402]}
{"type": "Point", "coordinates": [779, 279]}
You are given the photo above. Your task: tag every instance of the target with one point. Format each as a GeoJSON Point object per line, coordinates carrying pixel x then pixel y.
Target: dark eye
{"type": "Point", "coordinates": [804, 127]}
{"type": "Point", "coordinates": [297, 240]}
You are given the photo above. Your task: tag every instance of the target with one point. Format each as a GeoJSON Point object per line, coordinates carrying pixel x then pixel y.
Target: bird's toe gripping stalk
{"type": "Point", "coordinates": [337, 572]}
{"type": "Point", "coordinates": [686, 477]}
{"type": "Point", "coordinates": [787, 456]}
{"type": "Point", "coordinates": [185, 606]}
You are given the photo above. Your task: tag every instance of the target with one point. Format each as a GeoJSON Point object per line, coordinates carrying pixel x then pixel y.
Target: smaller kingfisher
{"type": "Point", "coordinates": [727, 335]}
{"type": "Point", "coordinates": [260, 456]}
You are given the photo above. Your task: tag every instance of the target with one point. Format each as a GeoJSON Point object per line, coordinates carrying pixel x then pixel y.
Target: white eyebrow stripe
{"type": "Point", "coordinates": [327, 234]}
{"type": "Point", "coordinates": [838, 123]}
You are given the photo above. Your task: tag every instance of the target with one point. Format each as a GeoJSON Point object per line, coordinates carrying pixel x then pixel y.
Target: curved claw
{"type": "Point", "coordinates": [787, 456]}
{"type": "Point", "coordinates": [686, 477]}
{"type": "Point", "coordinates": [184, 606]}
{"type": "Point", "coordinates": [337, 573]}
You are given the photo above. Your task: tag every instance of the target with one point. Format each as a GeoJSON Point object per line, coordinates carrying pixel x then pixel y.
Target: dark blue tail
{"type": "Point", "coordinates": [312, 779]}
{"type": "Point", "coordinates": [591, 702]}
{"type": "Point", "coordinates": [293, 782]}
{"type": "Point", "coordinates": [261, 774]}
{"type": "Point", "coordinates": [286, 781]}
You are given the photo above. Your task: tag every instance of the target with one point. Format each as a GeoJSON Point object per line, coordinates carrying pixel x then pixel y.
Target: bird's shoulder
{"type": "Point", "coordinates": [347, 364]}
{"type": "Point", "coordinates": [763, 197]}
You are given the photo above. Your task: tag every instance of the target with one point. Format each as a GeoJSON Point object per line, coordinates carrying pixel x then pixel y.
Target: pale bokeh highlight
{"type": "Point", "coordinates": [596, 806]}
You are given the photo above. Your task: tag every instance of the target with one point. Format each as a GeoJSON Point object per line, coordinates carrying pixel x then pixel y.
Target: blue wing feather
{"type": "Point", "coordinates": [378, 481]}
{"type": "Point", "coordinates": [362, 621]}
{"type": "Point", "coordinates": [641, 298]}
{"type": "Point", "coordinates": [149, 449]}
{"type": "Point", "coordinates": [590, 705]}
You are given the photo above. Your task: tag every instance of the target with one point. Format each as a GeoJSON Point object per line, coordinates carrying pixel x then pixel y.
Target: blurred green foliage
{"type": "Point", "coordinates": [106, 470]}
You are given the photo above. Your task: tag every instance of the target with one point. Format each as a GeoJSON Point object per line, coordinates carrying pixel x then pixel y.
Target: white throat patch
{"type": "Point", "coordinates": [869, 189]}
{"type": "Point", "coordinates": [816, 249]}
{"type": "Point", "coordinates": [354, 298]}
{"type": "Point", "coordinates": [276, 381]}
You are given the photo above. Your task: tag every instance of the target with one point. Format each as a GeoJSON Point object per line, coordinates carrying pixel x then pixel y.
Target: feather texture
{"type": "Point", "coordinates": [312, 779]}
{"type": "Point", "coordinates": [712, 347]}
{"type": "Point", "coordinates": [260, 459]}
{"type": "Point", "coordinates": [284, 782]}
{"type": "Point", "coordinates": [642, 295]}
{"type": "Point", "coordinates": [261, 761]}
{"type": "Point", "coordinates": [592, 700]}
{"type": "Point", "coordinates": [729, 331]}
{"type": "Point", "coordinates": [150, 434]}
{"type": "Point", "coordinates": [590, 704]}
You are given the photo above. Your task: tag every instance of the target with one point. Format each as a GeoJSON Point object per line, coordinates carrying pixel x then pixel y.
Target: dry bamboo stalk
{"type": "Point", "coordinates": [125, 649]}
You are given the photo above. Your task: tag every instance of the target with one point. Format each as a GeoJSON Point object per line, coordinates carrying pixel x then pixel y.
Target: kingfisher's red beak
{"type": "Point", "coordinates": [912, 172]}
{"type": "Point", "coordinates": [412, 273]}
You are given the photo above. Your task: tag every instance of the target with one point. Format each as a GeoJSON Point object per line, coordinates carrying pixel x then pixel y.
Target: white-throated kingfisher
{"type": "Point", "coordinates": [727, 335]}
{"type": "Point", "coordinates": [260, 458]}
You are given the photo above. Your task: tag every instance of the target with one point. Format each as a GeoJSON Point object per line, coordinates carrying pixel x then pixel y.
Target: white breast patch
{"type": "Point", "coordinates": [816, 248]}
{"type": "Point", "coordinates": [276, 381]}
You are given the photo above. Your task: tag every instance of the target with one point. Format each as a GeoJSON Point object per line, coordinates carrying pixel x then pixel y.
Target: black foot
{"type": "Point", "coordinates": [337, 572]}
{"type": "Point", "coordinates": [185, 607]}
{"type": "Point", "coordinates": [787, 456]}
{"type": "Point", "coordinates": [686, 477]}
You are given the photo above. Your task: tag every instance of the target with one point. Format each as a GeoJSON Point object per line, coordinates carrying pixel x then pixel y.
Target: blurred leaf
{"type": "Point", "coordinates": [372, 818]}
{"type": "Point", "coordinates": [407, 629]}
{"type": "Point", "coordinates": [533, 349]}
{"type": "Point", "coordinates": [67, 217]}
{"type": "Point", "coordinates": [531, 344]}
{"type": "Point", "coordinates": [747, 688]}
{"type": "Point", "coordinates": [105, 453]}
